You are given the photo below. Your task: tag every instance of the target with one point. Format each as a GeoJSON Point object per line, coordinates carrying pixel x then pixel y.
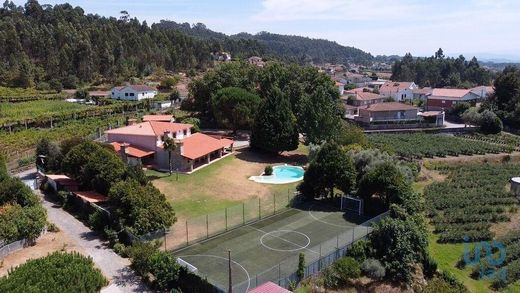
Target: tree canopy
{"type": "Point", "coordinates": [505, 101]}
{"type": "Point", "coordinates": [235, 108]}
{"type": "Point", "coordinates": [439, 71]}
{"type": "Point", "coordinates": [332, 168]}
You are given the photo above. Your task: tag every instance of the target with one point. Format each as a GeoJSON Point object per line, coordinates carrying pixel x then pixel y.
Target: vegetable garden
{"type": "Point", "coordinates": [420, 145]}
{"type": "Point", "coordinates": [472, 198]}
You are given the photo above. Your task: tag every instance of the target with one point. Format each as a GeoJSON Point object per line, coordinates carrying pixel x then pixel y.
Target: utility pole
{"type": "Point", "coordinates": [230, 290]}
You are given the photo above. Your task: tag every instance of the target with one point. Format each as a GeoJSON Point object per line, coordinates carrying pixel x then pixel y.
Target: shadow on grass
{"type": "Point", "coordinates": [269, 158]}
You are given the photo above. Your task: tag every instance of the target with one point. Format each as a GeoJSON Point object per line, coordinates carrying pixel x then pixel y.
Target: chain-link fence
{"type": "Point", "coordinates": [184, 233]}
{"type": "Point", "coordinates": [317, 258]}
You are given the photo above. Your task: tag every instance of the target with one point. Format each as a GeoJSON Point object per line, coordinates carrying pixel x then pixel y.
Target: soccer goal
{"type": "Point", "coordinates": [352, 204]}
{"type": "Point", "coordinates": [187, 265]}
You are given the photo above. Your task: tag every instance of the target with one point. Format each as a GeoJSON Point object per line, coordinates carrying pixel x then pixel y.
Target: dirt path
{"type": "Point", "coordinates": [462, 159]}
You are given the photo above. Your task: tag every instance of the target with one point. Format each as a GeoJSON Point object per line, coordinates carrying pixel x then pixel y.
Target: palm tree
{"type": "Point", "coordinates": [169, 146]}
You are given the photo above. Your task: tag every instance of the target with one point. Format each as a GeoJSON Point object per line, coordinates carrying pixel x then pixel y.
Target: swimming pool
{"type": "Point", "coordinates": [283, 174]}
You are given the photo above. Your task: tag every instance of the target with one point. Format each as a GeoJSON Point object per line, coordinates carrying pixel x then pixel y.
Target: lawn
{"type": "Point", "coordinates": [224, 183]}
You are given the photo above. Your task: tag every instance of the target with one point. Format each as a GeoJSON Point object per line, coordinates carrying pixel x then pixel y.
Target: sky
{"type": "Point", "coordinates": [485, 28]}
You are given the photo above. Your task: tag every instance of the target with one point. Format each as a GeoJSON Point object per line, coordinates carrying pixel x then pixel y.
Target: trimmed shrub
{"type": "Point", "coordinates": [360, 250]}
{"type": "Point", "coordinates": [373, 269]}
{"type": "Point", "coordinates": [346, 268]}
{"type": "Point", "coordinates": [57, 272]}
{"type": "Point", "coordinates": [268, 170]}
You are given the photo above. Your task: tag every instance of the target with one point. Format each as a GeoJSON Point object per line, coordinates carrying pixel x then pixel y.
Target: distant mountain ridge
{"type": "Point", "coordinates": [287, 47]}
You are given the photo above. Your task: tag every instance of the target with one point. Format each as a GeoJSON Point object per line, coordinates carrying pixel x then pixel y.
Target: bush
{"type": "Point", "coordinates": [301, 266]}
{"type": "Point", "coordinates": [490, 123]}
{"type": "Point", "coordinates": [429, 266]}
{"type": "Point", "coordinates": [51, 227]}
{"type": "Point", "coordinates": [373, 269]}
{"type": "Point", "coordinates": [57, 272]}
{"type": "Point", "coordinates": [112, 236]}
{"type": "Point", "coordinates": [98, 220]}
{"type": "Point", "coordinates": [360, 250]}
{"type": "Point", "coordinates": [268, 170]}
{"type": "Point", "coordinates": [63, 197]}
{"type": "Point", "coordinates": [330, 278]}
{"type": "Point", "coordinates": [120, 249]}
{"type": "Point", "coordinates": [346, 268]}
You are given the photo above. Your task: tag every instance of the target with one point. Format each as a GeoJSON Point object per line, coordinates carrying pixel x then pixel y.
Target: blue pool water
{"type": "Point", "coordinates": [281, 175]}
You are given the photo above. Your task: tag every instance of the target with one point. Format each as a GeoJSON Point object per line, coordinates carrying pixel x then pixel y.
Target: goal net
{"type": "Point", "coordinates": [352, 204]}
{"type": "Point", "coordinates": [187, 265]}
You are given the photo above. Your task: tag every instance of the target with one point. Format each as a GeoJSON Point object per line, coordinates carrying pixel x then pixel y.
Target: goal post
{"type": "Point", "coordinates": [352, 204]}
{"type": "Point", "coordinates": [187, 265]}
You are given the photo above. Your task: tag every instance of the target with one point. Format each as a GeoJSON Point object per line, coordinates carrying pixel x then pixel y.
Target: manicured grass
{"type": "Point", "coordinates": [220, 185]}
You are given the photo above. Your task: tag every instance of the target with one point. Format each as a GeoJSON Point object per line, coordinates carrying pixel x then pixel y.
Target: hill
{"type": "Point", "coordinates": [286, 47]}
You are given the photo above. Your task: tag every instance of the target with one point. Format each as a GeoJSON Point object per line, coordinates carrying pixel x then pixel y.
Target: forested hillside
{"type": "Point", "coordinates": [62, 45]}
{"type": "Point", "coordinates": [285, 47]}
{"type": "Point", "coordinates": [439, 71]}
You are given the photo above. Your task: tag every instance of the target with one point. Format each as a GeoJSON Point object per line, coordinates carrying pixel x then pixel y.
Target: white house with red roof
{"type": "Point", "coordinates": [442, 99]}
{"type": "Point", "coordinates": [142, 143]}
{"type": "Point", "coordinates": [133, 92]}
{"type": "Point", "coordinates": [398, 90]}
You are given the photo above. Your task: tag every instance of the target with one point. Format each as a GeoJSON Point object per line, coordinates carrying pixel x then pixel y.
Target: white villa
{"type": "Point", "coordinates": [133, 92]}
{"type": "Point", "coordinates": [400, 91]}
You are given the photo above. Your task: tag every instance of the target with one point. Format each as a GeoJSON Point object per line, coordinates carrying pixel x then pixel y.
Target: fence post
{"type": "Point", "coordinates": [288, 201]}
{"type": "Point", "coordinates": [259, 209]}
{"type": "Point", "coordinates": [279, 275]}
{"type": "Point", "coordinates": [187, 237]}
{"type": "Point", "coordinates": [274, 203]}
{"type": "Point", "coordinates": [226, 218]}
{"type": "Point", "coordinates": [243, 213]}
{"type": "Point", "coordinates": [207, 226]}
{"type": "Point", "coordinates": [353, 235]}
{"type": "Point", "coordinates": [319, 260]}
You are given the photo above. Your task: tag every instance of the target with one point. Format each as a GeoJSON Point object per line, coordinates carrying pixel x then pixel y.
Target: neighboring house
{"type": "Point", "coordinates": [441, 99]}
{"type": "Point", "coordinates": [387, 112]}
{"type": "Point", "coordinates": [142, 143]}
{"type": "Point", "coordinates": [422, 94]}
{"type": "Point", "coordinates": [357, 79]}
{"type": "Point", "coordinates": [99, 94]}
{"type": "Point", "coordinates": [133, 92]}
{"type": "Point", "coordinates": [483, 91]}
{"type": "Point", "coordinates": [62, 183]}
{"type": "Point", "coordinates": [255, 60]}
{"type": "Point", "coordinates": [399, 91]}
{"type": "Point", "coordinates": [159, 118]}
{"type": "Point", "coordinates": [362, 97]}
{"type": "Point", "coordinates": [269, 287]}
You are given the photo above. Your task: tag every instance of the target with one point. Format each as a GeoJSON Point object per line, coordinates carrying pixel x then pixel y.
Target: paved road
{"type": "Point", "coordinates": [113, 266]}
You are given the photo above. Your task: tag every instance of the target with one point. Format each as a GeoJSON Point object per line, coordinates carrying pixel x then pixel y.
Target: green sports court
{"type": "Point", "coordinates": [268, 250]}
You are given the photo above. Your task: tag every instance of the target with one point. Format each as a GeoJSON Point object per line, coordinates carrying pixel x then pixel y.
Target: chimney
{"type": "Point", "coordinates": [124, 147]}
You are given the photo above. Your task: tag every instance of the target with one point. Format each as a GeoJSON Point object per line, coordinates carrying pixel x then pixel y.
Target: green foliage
{"type": "Point", "coordinates": [193, 121]}
{"type": "Point", "coordinates": [439, 285]}
{"type": "Point", "coordinates": [472, 197]}
{"type": "Point", "coordinates": [360, 250]}
{"type": "Point", "coordinates": [419, 145]}
{"type": "Point", "coordinates": [52, 153]}
{"type": "Point", "coordinates": [98, 220]}
{"type": "Point", "coordinates": [350, 134]}
{"type": "Point", "coordinates": [3, 169]}
{"type": "Point", "coordinates": [141, 209]}
{"type": "Point", "coordinates": [235, 108]}
{"type": "Point", "coordinates": [275, 129]}
{"type": "Point", "coordinates": [429, 266]}
{"type": "Point", "coordinates": [400, 243]}
{"type": "Point", "coordinates": [458, 109]}
{"type": "Point", "coordinates": [168, 83]}
{"type": "Point", "coordinates": [373, 269]}
{"type": "Point", "coordinates": [490, 123]}
{"type": "Point", "coordinates": [13, 190]}
{"type": "Point", "coordinates": [332, 168]}
{"type": "Point", "coordinates": [505, 101]}
{"type": "Point", "coordinates": [54, 273]}
{"type": "Point", "coordinates": [17, 222]}
{"type": "Point", "coordinates": [437, 71]}
{"type": "Point", "coordinates": [301, 266]}
{"type": "Point", "coordinates": [386, 181]}
{"type": "Point", "coordinates": [341, 272]}
{"type": "Point", "coordinates": [268, 170]}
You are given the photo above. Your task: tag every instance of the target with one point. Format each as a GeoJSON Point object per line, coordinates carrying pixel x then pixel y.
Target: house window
{"type": "Point", "coordinates": [131, 94]}
{"type": "Point", "coordinates": [126, 94]}
{"type": "Point", "coordinates": [112, 93]}
{"type": "Point", "coordinates": [443, 101]}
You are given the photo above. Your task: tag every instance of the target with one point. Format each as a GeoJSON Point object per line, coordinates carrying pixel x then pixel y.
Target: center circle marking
{"type": "Point", "coordinates": [273, 234]}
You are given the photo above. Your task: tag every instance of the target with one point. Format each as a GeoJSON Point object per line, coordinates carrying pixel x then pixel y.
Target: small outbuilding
{"type": "Point", "coordinates": [515, 186]}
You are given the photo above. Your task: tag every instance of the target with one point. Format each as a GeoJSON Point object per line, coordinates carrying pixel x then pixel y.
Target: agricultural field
{"type": "Point", "coordinates": [420, 145]}
{"type": "Point", "coordinates": [502, 138]}
{"type": "Point", "coordinates": [10, 112]}
{"type": "Point", "coordinates": [467, 207]}
{"type": "Point", "coordinates": [13, 143]}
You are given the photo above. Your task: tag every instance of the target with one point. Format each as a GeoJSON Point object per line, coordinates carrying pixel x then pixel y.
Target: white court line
{"type": "Point", "coordinates": [220, 257]}
{"type": "Point", "coordinates": [335, 225]}
{"type": "Point", "coordinates": [284, 250]}
{"type": "Point", "coordinates": [283, 239]}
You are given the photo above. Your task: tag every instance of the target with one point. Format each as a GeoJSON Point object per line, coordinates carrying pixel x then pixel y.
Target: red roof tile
{"type": "Point", "coordinates": [91, 196]}
{"type": "Point", "coordinates": [132, 150]}
{"type": "Point", "coordinates": [452, 93]}
{"type": "Point", "coordinates": [269, 287]}
{"type": "Point", "coordinates": [394, 86]}
{"type": "Point", "coordinates": [199, 145]}
{"type": "Point", "coordinates": [390, 106]}
{"type": "Point", "coordinates": [150, 128]}
{"type": "Point", "coordinates": [63, 180]}
{"type": "Point", "coordinates": [160, 118]}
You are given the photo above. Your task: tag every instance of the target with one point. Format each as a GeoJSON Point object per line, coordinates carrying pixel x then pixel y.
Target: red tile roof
{"type": "Point", "coordinates": [91, 196]}
{"type": "Point", "coordinates": [391, 106]}
{"type": "Point", "coordinates": [451, 93]}
{"type": "Point", "coordinates": [269, 287]}
{"type": "Point", "coordinates": [365, 96]}
{"type": "Point", "coordinates": [199, 145]}
{"type": "Point", "coordinates": [160, 118]}
{"type": "Point", "coordinates": [63, 180]}
{"type": "Point", "coordinates": [394, 86]}
{"type": "Point", "coordinates": [132, 150]}
{"type": "Point", "coordinates": [150, 128]}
